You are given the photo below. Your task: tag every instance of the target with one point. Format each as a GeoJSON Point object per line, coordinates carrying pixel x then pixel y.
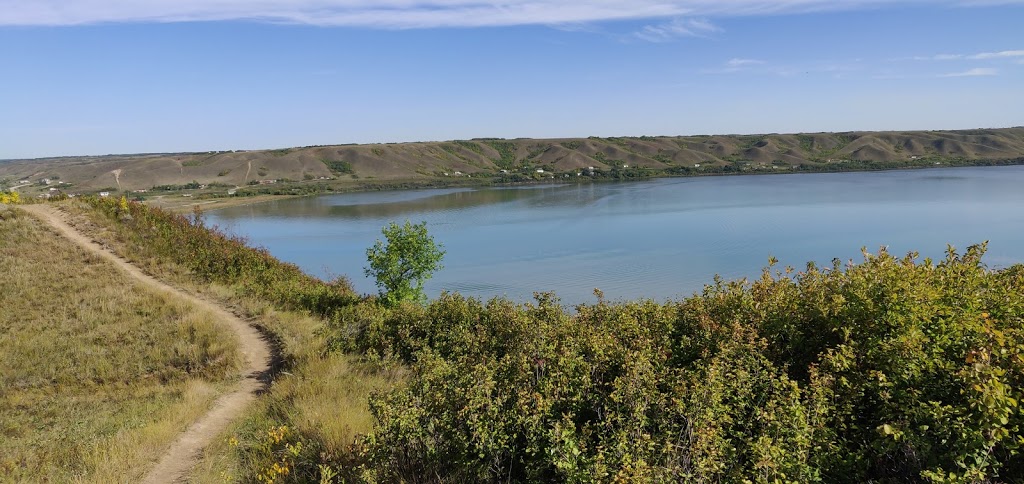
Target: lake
{"type": "Point", "coordinates": [657, 239]}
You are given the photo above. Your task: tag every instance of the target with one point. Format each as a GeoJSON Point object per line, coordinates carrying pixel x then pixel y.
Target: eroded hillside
{"type": "Point", "coordinates": [497, 157]}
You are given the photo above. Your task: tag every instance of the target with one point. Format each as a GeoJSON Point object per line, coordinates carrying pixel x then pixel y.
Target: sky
{"type": "Point", "coordinates": [93, 77]}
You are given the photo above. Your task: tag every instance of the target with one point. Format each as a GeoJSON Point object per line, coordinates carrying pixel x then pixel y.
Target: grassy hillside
{"type": "Point", "coordinates": [98, 374]}
{"type": "Point", "coordinates": [521, 158]}
{"type": "Point", "coordinates": [319, 399]}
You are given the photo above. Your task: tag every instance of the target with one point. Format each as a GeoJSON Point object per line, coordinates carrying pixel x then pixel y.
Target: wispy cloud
{"type": "Point", "coordinates": [743, 62]}
{"type": "Point", "coordinates": [736, 65]}
{"type": "Point", "coordinates": [360, 13]}
{"type": "Point", "coordinates": [420, 13]}
{"type": "Point", "coordinates": [1005, 54]}
{"type": "Point", "coordinates": [679, 27]}
{"type": "Point", "coordinates": [836, 68]}
{"type": "Point", "coordinates": [939, 57]}
{"type": "Point", "coordinates": [976, 72]}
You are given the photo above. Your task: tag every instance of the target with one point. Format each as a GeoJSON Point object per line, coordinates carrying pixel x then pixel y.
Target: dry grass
{"type": "Point", "coordinates": [98, 374]}
{"type": "Point", "coordinates": [321, 395]}
{"type": "Point", "coordinates": [420, 162]}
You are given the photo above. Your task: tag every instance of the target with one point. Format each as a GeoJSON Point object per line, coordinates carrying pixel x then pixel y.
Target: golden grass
{"type": "Point", "coordinates": [325, 401]}
{"type": "Point", "coordinates": [98, 374]}
{"type": "Point", "coordinates": [321, 395]}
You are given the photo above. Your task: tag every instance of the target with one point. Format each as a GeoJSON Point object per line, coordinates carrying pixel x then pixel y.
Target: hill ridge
{"type": "Point", "coordinates": [522, 157]}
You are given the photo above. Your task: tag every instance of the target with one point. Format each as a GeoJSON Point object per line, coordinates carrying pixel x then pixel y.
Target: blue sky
{"type": "Point", "coordinates": [84, 77]}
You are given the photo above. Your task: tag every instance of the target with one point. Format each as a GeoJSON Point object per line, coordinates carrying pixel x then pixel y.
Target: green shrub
{"type": "Point", "coordinates": [893, 369]}
{"type": "Point", "coordinates": [474, 147]}
{"type": "Point", "coordinates": [506, 152]}
{"type": "Point", "coordinates": [572, 145]}
{"type": "Point", "coordinates": [338, 166]}
{"type": "Point", "coordinates": [216, 256]}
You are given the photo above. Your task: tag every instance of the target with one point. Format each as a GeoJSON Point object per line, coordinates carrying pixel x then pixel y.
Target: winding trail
{"type": "Point", "coordinates": [184, 453]}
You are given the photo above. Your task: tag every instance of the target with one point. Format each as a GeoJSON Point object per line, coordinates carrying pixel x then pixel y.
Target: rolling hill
{"type": "Point", "coordinates": [498, 157]}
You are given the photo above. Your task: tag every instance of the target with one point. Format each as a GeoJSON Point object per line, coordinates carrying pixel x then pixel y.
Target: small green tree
{"type": "Point", "coordinates": [404, 262]}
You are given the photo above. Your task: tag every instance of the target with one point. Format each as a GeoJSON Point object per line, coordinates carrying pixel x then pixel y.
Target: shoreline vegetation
{"type": "Point", "coordinates": [215, 201]}
{"type": "Point", "coordinates": [890, 369]}
{"type": "Point", "coordinates": [220, 178]}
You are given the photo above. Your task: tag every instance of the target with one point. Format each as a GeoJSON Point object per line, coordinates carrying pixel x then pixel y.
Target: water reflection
{"type": "Point", "coordinates": [659, 238]}
{"type": "Point", "coordinates": [386, 205]}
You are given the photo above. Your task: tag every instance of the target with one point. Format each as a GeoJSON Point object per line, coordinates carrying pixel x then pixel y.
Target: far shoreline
{"type": "Point", "coordinates": [214, 202]}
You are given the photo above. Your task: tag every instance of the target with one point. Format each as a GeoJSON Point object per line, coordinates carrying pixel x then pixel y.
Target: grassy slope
{"type": "Point", "coordinates": [98, 374]}
{"type": "Point", "coordinates": [402, 162]}
{"type": "Point", "coordinates": [320, 395]}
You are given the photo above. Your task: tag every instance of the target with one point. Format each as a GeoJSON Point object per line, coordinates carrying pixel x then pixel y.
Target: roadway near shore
{"type": "Point", "coordinates": [184, 453]}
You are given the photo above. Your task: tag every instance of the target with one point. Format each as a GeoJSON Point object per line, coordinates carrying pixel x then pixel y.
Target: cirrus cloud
{"type": "Point", "coordinates": [743, 62]}
{"type": "Point", "coordinates": [424, 13]}
{"type": "Point", "coordinates": [1004, 54]}
{"type": "Point", "coordinates": [976, 72]}
{"type": "Point", "coordinates": [679, 27]}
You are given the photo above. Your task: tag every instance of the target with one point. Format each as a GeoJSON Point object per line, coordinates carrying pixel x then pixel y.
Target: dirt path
{"type": "Point", "coordinates": [183, 454]}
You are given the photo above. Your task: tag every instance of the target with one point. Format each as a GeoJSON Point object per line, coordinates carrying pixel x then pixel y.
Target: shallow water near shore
{"type": "Point", "coordinates": [657, 239]}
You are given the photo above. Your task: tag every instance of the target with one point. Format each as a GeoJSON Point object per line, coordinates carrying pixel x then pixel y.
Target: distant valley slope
{"type": "Point", "coordinates": [523, 158]}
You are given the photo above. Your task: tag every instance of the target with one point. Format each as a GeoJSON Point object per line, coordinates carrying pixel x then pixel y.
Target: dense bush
{"type": "Point", "coordinates": [891, 369]}
{"type": "Point", "coordinates": [338, 166]}
{"type": "Point", "coordinates": [10, 197]}
{"type": "Point", "coordinates": [216, 256]}
{"type": "Point", "coordinates": [506, 152]}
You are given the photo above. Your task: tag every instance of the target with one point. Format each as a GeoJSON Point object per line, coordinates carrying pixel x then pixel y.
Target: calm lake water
{"type": "Point", "coordinates": [659, 239]}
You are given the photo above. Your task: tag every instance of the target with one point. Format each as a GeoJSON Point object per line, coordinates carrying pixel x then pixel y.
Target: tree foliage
{"type": "Point", "coordinates": [403, 262]}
